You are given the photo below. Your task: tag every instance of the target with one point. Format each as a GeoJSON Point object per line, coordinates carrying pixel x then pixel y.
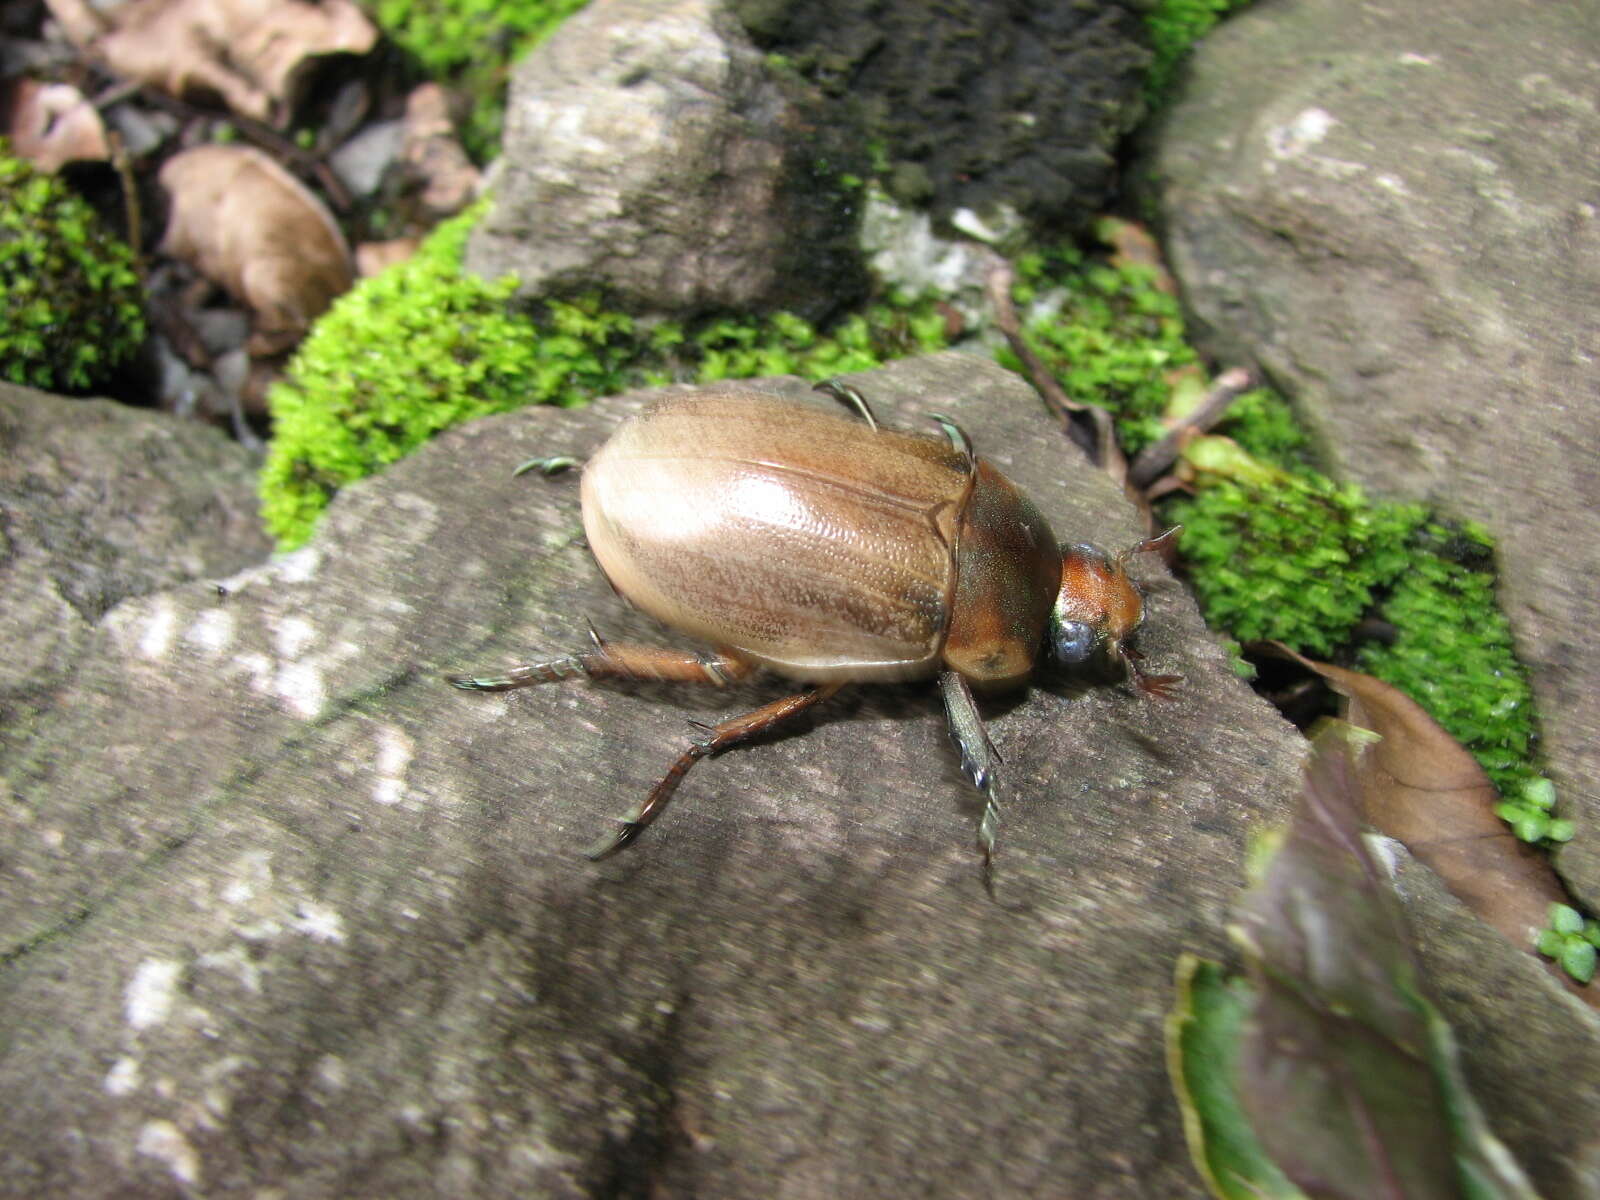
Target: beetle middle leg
{"type": "Point", "coordinates": [979, 758]}
{"type": "Point", "coordinates": [713, 739]}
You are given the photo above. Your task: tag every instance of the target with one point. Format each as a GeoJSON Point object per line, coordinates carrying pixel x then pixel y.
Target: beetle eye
{"type": "Point", "coordinates": [1071, 643]}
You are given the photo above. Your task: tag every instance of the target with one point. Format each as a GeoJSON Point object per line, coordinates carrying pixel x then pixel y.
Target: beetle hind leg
{"type": "Point", "coordinates": [616, 660]}
{"type": "Point", "coordinates": [713, 740]}
{"type": "Point", "coordinates": [979, 759]}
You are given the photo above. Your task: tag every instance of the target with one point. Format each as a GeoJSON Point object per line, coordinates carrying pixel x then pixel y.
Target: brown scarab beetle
{"type": "Point", "coordinates": [831, 551]}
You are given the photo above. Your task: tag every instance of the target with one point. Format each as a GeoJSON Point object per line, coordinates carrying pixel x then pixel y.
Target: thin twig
{"type": "Point", "coordinates": [130, 197]}
{"type": "Point", "coordinates": [1154, 460]}
{"type": "Point", "coordinates": [1104, 449]}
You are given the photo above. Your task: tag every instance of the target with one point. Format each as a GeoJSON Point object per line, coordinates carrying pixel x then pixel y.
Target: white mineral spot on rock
{"type": "Point", "coordinates": [156, 639]}
{"type": "Point", "coordinates": [1412, 58]}
{"type": "Point", "coordinates": [52, 837]}
{"type": "Point", "coordinates": [252, 873]}
{"type": "Point", "coordinates": [394, 756]}
{"type": "Point", "coordinates": [236, 962]}
{"type": "Point", "coordinates": [211, 631]}
{"type": "Point", "coordinates": [1300, 134]}
{"type": "Point", "coordinates": [148, 998]}
{"type": "Point", "coordinates": [217, 1095]}
{"type": "Point", "coordinates": [123, 1077]}
{"type": "Point", "coordinates": [294, 635]}
{"type": "Point", "coordinates": [301, 686]}
{"type": "Point", "coordinates": [300, 566]}
{"type": "Point", "coordinates": [974, 226]}
{"type": "Point", "coordinates": [258, 667]}
{"type": "Point", "coordinates": [165, 1141]}
{"type": "Point", "coordinates": [318, 922]}
{"type": "Point", "coordinates": [330, 1072]}
{"type": "Point", "coordinates": [1390, 183]}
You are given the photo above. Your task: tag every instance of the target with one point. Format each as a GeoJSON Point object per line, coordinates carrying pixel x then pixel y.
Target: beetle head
{"type": "Point", "coordinates": [1098, 612]}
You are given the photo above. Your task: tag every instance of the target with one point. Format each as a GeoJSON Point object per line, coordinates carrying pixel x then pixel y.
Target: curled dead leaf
{"type": "Point", "coordinates": [251, 53]}
{"type": "Point", "coordinates": [1421, 787]}
{"type": "Point", "coordinates": [52, 124]}
{"type": "Point", "coordinates": [245, 223]}
{"type": "Point", "coordinates": [432, 152]}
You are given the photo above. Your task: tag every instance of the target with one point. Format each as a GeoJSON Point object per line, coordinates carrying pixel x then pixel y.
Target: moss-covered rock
{"type": "Point", "coordinates": [70, 298]}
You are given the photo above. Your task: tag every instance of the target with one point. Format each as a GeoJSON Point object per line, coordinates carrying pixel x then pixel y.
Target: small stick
{"type": "Point", "coordinates": [130, 195]}
{"type": "Point", "coordinates": [1154, 460]}
{"type": "Point", "coordinates": [1105, 449]}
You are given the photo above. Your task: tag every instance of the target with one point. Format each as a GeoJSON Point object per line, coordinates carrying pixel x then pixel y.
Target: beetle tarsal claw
{"type": "Point", "coordinates": [547, 465]}
{"type": "Point", "coordinates": [846, 394]}
{"type": "Point", "coordinates": [958, 437]}
{"type": "Point", "coordinates": [607, 846]}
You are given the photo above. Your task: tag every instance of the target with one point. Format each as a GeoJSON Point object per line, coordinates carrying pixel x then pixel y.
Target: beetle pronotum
{"type": "Point", "coordinates": [829, 550]}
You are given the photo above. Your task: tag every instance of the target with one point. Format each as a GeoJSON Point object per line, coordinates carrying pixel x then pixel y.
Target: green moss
{"type": "Point", "coordinates": [1115, 339]}
{"type": "Point", "coordinates": [1174, 26]}
{"type": "Point", "coordinates": [1107, 334]}
{"type": "Point", "coordinates": [1286, 555]}
{"type": "Point", "coordinates": [472, 44]}
{"type": "Point", "coordinates": [414, 351]}
{"type": "Point", "coordinates": [1453, 652]}
{"type": "Point", "coordinates": [70, 299]}
{"type": "Point", "coordinates": [1292, 556]}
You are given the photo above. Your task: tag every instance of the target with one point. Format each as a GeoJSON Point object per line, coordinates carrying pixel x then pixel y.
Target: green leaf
{"type": "Point", "coordinates": [1578, 959]}
{"type": "Point", "coordinates": [1565, 919]}
{"type": "Point", "coordinates": [1202, 1051]}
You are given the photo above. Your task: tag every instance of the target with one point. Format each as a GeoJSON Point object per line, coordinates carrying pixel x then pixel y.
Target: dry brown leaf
{"type": "Point", "coordinates": [373, 258]}
{"type": "Point", "coordinates": [245, 223]}
{"type": "Point", "coordinates": [52, 124]}
{"type": "Point", "coordinates": [432, 152]}
{"type": "Point", "coordinates": [1421, 787]}
{"type": "Point", "coordinates": [251, 53]}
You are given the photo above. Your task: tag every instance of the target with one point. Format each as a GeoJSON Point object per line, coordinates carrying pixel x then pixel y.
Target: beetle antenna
{"type": "Point", "coordinates": [845, 394]}
{"type": "Point", "coordinates": [1161, 544]}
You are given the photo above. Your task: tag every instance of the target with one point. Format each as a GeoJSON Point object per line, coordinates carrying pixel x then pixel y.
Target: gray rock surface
{"type": "Point", "coordinates": [1531, 1050]}
{"type": "Point", "coordinates": [647, 152]}
{"type": "Point", "coordinates": [282, 910]}
{"type": "Point", "coordinates": [98, 503]}
{"type": "Point", "coordinates": [1393, 209]}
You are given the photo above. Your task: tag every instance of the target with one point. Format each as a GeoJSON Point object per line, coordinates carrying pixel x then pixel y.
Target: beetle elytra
{"type": "Point", "coordinates": [828, 550]}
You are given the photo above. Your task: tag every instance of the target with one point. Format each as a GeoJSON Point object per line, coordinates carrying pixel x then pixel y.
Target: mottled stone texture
{"type": "Point", "coordinates": [282, 910]}
{"type": "Point", "coordinates": [98, 503]}
{"type": "Point", "coordinates": [1395, 210]}
{"type": "Point", "coordinates": [649, 153]}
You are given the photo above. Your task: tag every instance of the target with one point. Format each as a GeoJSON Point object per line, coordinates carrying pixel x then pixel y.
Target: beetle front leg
{"type": "Point", "coordinates": [616, 660]}
{"type": "Point", "coordinates": [713, 740]}
{"type": "Point", "coordinates": [979, 758]}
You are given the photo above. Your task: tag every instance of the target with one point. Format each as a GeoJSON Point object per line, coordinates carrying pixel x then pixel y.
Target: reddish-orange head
{"type": "Point", "coordinates": [1097, 613]}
